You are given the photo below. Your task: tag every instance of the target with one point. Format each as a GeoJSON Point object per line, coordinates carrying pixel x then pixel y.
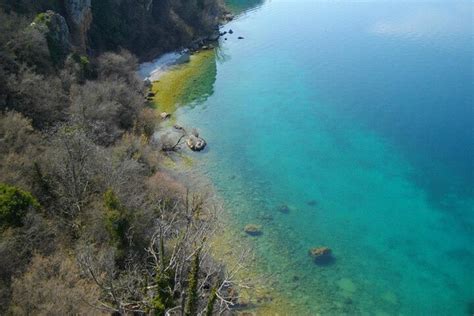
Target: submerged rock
{"type": "Point", "coordinates": [283, 208]}
{"type": "Point", "coordinates": [231, 32]}
{"type": "Point", "coordinates": [196, 143]}
{"type": "Point", "coordinates": [184, 58]}
{"type": "Point", "coordinates": [253, 230]}
{"type": "Point", "coordinates": [312, 203]}
{"type": "Point", "coordinates": [320, 251]}
{"type": "Point", "coordinates": [165, 115]}
{"type": "Point", "coordinates": [321, 255]}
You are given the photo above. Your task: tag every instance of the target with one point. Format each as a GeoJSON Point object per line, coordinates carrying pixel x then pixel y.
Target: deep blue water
{"type": "Point", "coordinates": [359, 116]}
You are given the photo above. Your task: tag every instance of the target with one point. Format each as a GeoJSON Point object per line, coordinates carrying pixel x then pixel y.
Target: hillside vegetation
{"type": "Point", "coordinates": [89, 221]}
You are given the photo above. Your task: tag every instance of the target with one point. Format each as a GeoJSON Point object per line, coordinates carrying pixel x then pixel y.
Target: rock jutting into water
{"type": "Point", "coordinates": [184, 58]}
{"type": "Point", "coordinates": [150, 94]}
{"type": "Point", "coordinates": [165, 115]}
{"type": "Point", "coordinates": [228, 17]}
{"type": "Point", "coordinates": [196, 143]}
{"type": "Point", "coordinates": [253, 230]}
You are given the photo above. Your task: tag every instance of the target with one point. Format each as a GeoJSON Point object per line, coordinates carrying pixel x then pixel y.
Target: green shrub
{"type": "Point", "coordinates": [14, 204]}
{"type": "Point", "coordinates": [192, 293]}
{"type": "Point", "coordinates": [211, 301]}
{"type": "Point", "coordinates": [117, 222]}
{"type": "Point", "coordinates": [163, 298]}
{"type": "Point", "coordinates": [42, 18]}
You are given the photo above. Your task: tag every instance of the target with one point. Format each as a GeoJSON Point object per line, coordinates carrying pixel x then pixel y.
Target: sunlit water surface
{"type": "Point", "coordinates": [359, 117]}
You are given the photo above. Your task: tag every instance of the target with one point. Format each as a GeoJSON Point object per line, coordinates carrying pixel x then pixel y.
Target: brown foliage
{"type": "Point", "coordinates": [40, 98]}
{"type": "Point", "coordinates": [19, 142]}
{"type": "Point", "coordinates": [53, 286]}
{"type": "Point", "coordinates": [163, 187]}
{"type": "Point", "coordinates": [106, 108]}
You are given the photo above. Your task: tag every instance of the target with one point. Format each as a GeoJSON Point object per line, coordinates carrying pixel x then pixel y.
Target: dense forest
{"type": "Point", "coordinates": [89, 221]}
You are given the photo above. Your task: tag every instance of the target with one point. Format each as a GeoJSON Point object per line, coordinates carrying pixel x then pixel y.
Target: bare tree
{"type": "Point", "coordinates": [71, 162]}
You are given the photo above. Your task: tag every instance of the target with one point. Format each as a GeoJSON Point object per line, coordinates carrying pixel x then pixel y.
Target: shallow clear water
{"type": "Point", "coordinates": [358, 116]}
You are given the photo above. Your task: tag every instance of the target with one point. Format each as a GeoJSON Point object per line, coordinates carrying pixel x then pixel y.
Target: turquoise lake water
{"type": "Point", "coordinates": [358, 116]}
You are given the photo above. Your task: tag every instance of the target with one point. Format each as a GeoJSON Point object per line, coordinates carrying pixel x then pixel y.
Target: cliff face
{"type": "Point", "coordinates": [79, 16]}
{"type": "Point", "coordinates": [142, 26]}
{"type": "Point", "coordinates": [54, 28]}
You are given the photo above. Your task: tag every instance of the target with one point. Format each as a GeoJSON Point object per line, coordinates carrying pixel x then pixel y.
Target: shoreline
{"type": "Point", "coordinates": [174, 80]}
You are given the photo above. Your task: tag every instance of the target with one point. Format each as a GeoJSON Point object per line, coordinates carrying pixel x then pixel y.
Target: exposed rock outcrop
{"type": "Point", "coordinates": [196, 143]}
{"type": "Point", "coordinates": [165, 115]}
{"type": "Point", "coordinates": [56, 31]}
{"type": "Point", "coordinates": [79, 16]}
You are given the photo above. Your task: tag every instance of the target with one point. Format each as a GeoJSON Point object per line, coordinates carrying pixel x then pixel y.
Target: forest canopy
{"type": "Point", "coordinates": [90, 222]}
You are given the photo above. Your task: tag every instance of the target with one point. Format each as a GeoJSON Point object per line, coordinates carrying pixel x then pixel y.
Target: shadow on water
{"type": "Point", "coordinates": [324, 261]}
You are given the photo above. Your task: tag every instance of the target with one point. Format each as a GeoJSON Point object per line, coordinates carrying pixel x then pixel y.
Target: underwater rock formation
{"type": "Point", "coordinates": [283, 208]}
{"type": "Point", "coordinates": [321, 255]}
{"type": "Point", "coordinates": [253, 230]}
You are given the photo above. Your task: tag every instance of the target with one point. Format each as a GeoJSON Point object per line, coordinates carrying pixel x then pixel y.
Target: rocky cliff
{"type": "Point", "coordinates": [145, 27]}
{"type": "Point", "coordinates": [79, 16]}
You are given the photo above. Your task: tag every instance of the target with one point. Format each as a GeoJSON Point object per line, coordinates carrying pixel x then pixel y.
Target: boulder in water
{"type": "Point", "coordinates": [283, 208]}
{"type": "Point", "coordinates": [196, 143]}
{"type": "Point", "coordinates": [321, 255]}
{"type": "Point", "coordinates": [253, 230]}
{"type": "Point", "coordinates": [165, 115]}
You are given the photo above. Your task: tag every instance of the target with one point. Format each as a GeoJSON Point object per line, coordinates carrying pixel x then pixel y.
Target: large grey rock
{"type": "Point", "coordinates": [54, 27]}
{"type": "Point", "coordinates": [79, 15]}
{"type": "Point", "coordinates": [196, 143]}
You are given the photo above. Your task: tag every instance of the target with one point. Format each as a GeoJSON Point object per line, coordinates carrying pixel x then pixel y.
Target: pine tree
{"type": "Point", "coordinates": [192, 295]}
